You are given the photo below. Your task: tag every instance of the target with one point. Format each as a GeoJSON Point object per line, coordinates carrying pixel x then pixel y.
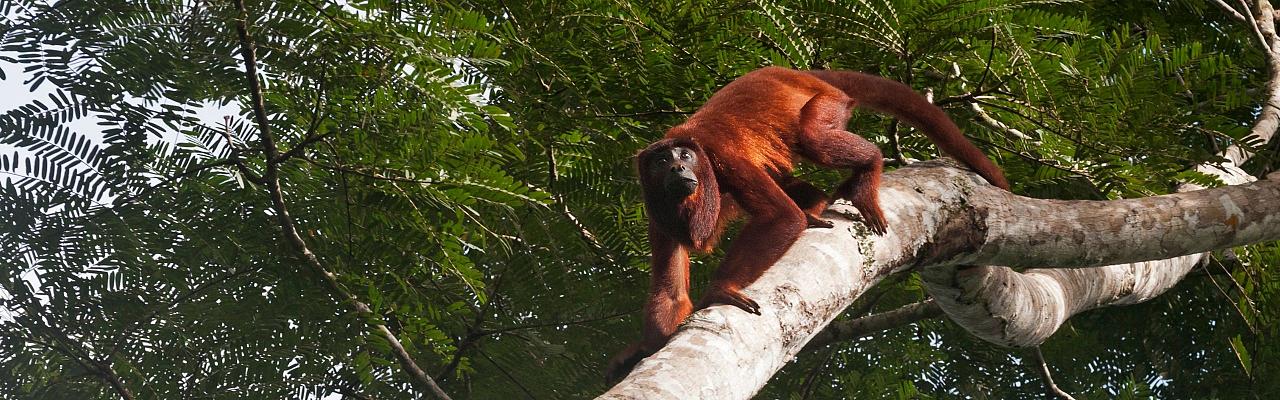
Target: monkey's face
{"type": "Point", "coordinates": [673, 167]}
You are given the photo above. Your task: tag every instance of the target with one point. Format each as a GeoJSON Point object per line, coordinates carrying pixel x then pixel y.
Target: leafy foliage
{"type": "Point", "coordinates": [464, 168]}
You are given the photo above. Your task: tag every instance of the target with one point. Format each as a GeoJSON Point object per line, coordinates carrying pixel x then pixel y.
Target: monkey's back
{"type": "Point", "coordinates": [755, 117]}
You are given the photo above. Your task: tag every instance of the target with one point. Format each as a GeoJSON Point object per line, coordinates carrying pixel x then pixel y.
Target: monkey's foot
{"type": "Point", "coordinates": [876, 223]}
{"type": "Point", "coordinates": [815, 222]}
{"type": "Point", "coordinates": [731, 297]}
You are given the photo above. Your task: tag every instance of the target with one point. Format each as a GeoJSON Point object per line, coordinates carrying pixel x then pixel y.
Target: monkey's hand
{"type": "Point", "coordinates": [733, 297]}
{"type": "Point", "coordinates": [620, 365]}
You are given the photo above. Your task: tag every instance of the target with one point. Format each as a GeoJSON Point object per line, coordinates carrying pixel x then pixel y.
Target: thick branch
{"type": "Point", "coordinates": [943, 216]}
{"type": "Point", "coordinates": [1025, 232]}
{"type": "Point", "coordinates": [937, 214]}
{"type": "Point", "coordinates": [724, 353]}
{"type": "Point", "coordinates": [1010, 308]}
{"type": "Point", "coordinates": [1231, 12]}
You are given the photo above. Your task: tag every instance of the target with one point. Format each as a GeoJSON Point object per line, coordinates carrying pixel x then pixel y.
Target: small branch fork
{"type": "Point", "coordinates": [271, 177]}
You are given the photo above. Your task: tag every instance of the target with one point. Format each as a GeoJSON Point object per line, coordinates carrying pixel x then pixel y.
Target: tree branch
{"type": "Point", "coordinates": [100, 369]}
{"type": "Point", "coordinates": [553, 180]}
{"type": "Point", "coordinates": [289, 229]}
{"type": "Point", "coordinates": [1231, 12]}
{"type": "Point", "coordinates": [1010, 308]}
{"type": "Point", "coordinates": [723, 352]}
{"type": "Point", "coordinates": [856, 328]}
{"type": "Point", "coordinates": [1049, 387]}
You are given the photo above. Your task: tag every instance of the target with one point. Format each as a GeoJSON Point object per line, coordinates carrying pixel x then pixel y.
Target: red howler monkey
{"type": "Point", "coordinates": [735, 154]}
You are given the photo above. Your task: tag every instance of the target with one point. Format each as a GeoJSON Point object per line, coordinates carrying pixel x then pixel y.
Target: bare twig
{"type": "Point", "coordinates": [1254, 22]}
{"type": "Point", "coordinates": [853, 329]}
{"type": "Point", "coordinates": [986, 120]}
{"type": "Point", "coordinates": [892, 133]}
{"type": "Point", "coordinates": [290, 230]}
{"type": "Point", "coordinates": [67, 347]}
{"type": "Point", "coordinates": [1049, 387]}
{"type": "Point", "coordinates": [1231, 12]}
{"type": "Point", "coordinates": [553, 178]}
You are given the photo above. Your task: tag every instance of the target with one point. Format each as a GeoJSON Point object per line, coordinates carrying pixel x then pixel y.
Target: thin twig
{"type": "Point", "coordinates": [1253, 24]}
{"type": "Point", "coordinates": [290, 230]}
{"type": "Point", "coordinates": [1049, 387]}
{"type": "Point", "coordinates": [192, 171]}
{"type": "Point", "coordinates": [352, 393]}
{"type": "Point", "coordinates": [367, 174]}
{"type": "Point", "coordinates": [806, 389]}
{"type": "Point", "coordinates": [310, 137]}
{"type": "Point", "coordinates": [990, 55]}
{"type": "Point", "coordinates": [895, 146]}
{"type": "Point", "coordinates": [548, 324]}
{"type": "Point", "coordinates": [507, 374]}
{"type": "Point", "coordinates": [853, 329]}
{"type": "Point", "coordinates": [635, 114]}
{"type": "Point", "coordinates": [1231, 12]}
{"type": "Point", "coordinates": [101, 369]}
{"type": "Point", "coordinates": [236, 151]}
{"type": "Point", "coordinates": [553, 179]}
{"type": "Point", "coordinates": [990, 122]}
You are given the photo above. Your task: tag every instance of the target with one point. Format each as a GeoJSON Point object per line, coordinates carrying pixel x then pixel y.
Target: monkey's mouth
{"type": "Point", "coordinates": [682, 187]}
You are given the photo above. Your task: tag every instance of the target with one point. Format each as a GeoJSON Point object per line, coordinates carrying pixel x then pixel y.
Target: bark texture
{"type": "Point", "coordinates": [937, 214]}
{"type": "Point", "coordinates": [1115, 252]}
{"type": "Point", "coordinates": [1022, 309]}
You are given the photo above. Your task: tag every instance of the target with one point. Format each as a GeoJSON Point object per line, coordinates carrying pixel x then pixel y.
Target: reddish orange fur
{"type": "Point", "coordinates": [746, 138]}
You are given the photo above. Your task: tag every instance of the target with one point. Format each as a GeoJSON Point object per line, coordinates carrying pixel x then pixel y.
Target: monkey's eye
{"type": "Point", "coordinates": [685, 155]}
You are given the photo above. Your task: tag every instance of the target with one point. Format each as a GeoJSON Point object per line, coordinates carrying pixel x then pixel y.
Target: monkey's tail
{"type": "Point", "coordinates": [894, 98]}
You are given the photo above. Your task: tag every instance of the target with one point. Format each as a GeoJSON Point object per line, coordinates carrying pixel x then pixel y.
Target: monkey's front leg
{"type": "Point", "coordinates": [775, 223]}
{"type": "Point", "coordinates": [665, 307]}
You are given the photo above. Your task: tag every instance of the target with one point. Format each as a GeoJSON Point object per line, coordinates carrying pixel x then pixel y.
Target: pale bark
{"type": "Point", "coordinates": [937, 214]}
{"type": "Point", "coordinates": [1023, 309]}
{"type": "Point", "coordinates": [941, 217]}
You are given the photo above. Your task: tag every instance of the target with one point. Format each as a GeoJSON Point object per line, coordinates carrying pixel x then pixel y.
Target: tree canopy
{"type": "Point", "coordinates": [462, 173]}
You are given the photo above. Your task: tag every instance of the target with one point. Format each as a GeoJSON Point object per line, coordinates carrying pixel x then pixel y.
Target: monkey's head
{"type": "Point", "coordinates": [672, 168]}
{"type": "Point", "coordinates": [679, 185]}
{"type": "Point", "coordinates": [675, 166]}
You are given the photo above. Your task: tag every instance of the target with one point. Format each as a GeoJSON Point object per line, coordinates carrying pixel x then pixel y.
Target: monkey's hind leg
{"type": "Point", "coordinates": [823, 140]}
{"type": "Point", "coordinates": [809, 198]}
